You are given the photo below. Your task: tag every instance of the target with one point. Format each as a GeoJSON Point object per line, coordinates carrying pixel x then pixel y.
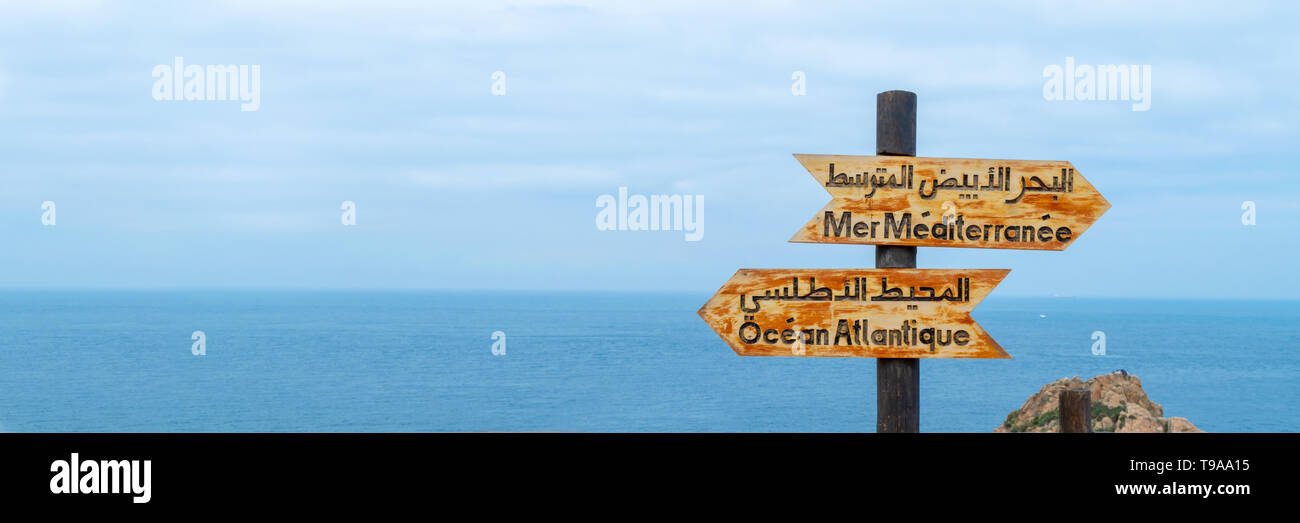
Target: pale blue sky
{"type": "Point", "coordinates": [389, 105]}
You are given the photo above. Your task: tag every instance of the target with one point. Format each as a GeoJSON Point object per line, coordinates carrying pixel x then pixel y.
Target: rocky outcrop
{"type": "Point", "coordinates": [1118, 405]}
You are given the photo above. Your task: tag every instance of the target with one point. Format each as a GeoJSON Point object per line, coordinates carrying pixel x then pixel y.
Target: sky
{"type": "Point", "coordinates": [391, 106]}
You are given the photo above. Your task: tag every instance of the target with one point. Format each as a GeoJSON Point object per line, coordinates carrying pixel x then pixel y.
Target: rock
{"type": "Point", "coordinates": [1119, 404]}
{"type": "Point", "coordinates": [1177, 424]}
{"type": "Point", "coordinates": [1143, 423]}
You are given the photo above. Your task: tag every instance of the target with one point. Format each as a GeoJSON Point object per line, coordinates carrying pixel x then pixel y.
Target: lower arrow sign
{"type": "Point", "coordinates": [874, 313]}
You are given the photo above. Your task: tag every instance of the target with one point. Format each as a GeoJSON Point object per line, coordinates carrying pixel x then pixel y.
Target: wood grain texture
{"type": "Point", "coordinates": [898, 380]}
{"type": "Point", "coordinates": [898, 395]}
{"type": "Point", "coordinates": [1025, 204]}
{"type": "Point", "coordinates": [764, 312]}
{"type": "Point", "coordinates": [1075, 410]}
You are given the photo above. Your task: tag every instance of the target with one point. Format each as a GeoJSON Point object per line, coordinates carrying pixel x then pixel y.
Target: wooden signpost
{"type": "Point", "coordinates": [950, 202]}
{"type": "Point", "coordinates": [897, 313]}
{"type": "Point", "coordinates": [876, 313]}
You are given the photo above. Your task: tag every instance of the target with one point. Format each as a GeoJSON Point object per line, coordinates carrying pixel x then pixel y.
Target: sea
{"type": "Point", "coordinates": [423, 361]}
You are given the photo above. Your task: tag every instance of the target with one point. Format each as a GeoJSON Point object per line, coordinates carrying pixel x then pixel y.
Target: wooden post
{"type": "Point", "coordinates": [1075, 410]}
{"type": "Point", "coordinates": [898, 380]}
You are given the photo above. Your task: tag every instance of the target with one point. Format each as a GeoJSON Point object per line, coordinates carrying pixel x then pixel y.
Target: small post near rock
{"type": "Point", "coordinates": [1075, 411]}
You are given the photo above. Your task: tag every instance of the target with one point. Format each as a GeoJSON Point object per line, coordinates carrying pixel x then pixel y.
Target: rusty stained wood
{"type": "Point", "coordinates": [995, 204]}
{"type": "Point", "coordinates": [1074, 410]}
{"type": "Point", "coordinates": [813, 312]}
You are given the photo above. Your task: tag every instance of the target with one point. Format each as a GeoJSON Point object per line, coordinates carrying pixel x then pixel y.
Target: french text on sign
{"type": "Point", "coordinates": [995, 204]}
{"type": "Point", "coordinates": [880, 313]}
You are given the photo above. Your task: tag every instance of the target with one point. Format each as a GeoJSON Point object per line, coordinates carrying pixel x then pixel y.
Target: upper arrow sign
{"type": "Point", "coordinates": [879, 313]}
{"type": "Point", "coordinates": [950, 202]}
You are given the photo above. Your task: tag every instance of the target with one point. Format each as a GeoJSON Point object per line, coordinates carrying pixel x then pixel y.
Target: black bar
{"type": "Point", "coordinates": [491, 472]}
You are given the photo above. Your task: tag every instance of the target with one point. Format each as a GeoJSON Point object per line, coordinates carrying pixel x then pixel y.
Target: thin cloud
{"type": "Point", "coordinates": [513, 176]}
{"type": "Point", "coordinates": [271, 221]}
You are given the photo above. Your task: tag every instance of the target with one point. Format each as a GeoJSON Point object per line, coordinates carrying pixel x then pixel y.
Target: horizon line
{"type": "Point", "coordinates": [107, 289]}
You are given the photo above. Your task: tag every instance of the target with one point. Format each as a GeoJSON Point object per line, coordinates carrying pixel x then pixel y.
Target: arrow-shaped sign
{"type": "Point", "coordinates": [950, 202]}
{"type": "Point", "coordinates": [878, 313]}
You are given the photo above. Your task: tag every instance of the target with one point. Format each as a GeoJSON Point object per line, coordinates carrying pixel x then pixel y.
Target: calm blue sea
{"type": "Point", "coordinates": [422, 361]}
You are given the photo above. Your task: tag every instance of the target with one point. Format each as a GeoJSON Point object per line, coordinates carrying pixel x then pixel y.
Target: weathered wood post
{"type": "Point", "coordinates": [1075, 410]}
{"type": "Point", "coordinates": [898, 380]}
{"type": "Point", "coordinates": [758, 312]}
